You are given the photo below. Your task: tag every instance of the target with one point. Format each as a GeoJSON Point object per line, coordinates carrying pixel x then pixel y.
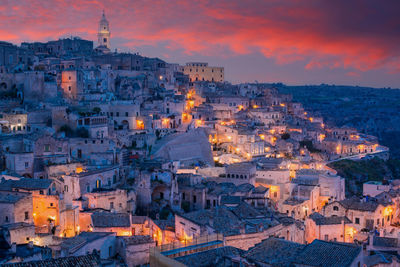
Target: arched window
{"type": "Point", "coordinates": [336, 208]}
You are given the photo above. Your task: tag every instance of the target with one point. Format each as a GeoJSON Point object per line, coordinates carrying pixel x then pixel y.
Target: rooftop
{"type": "Point", "coordinates": [26, 183]}
{"type": "Point", "coordinates": [74, 261]}
{"type": "Point", "coordinates": [110, 219]}
{"type": "Point", "coordinates": [11, 197]}
{"type": "Point", "coordinates": [322, 220]}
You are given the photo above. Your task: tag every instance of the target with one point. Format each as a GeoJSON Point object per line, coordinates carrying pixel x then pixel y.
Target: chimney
{"type": "Point", "coordinates": [242, 229]}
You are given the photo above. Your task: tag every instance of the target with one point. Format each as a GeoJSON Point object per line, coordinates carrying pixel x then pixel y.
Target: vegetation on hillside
{"type": "Point", "coordinates": [359, 172]}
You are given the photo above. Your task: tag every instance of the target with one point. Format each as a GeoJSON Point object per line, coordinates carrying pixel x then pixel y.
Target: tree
{"type": "Point", "coordinates": [82, 132]}
{"type": "Point", "coordinates": [96, 110]}
{"type": "Point", "coordinates": [67, 130]}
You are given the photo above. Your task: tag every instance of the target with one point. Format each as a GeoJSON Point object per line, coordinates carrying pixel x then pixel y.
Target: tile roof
{"type": "Point", "coordinates": [74, 261]}
{"type": "Point", "coordinates": [221, 219]}
{"type": "Point", "coordinates": [74, 243]}
{"type": "Point", "coordinates": [274, 251]}
{"type": "Point", "coordinates": [244, 210]}
{"type": "Point", "coordinates": [110, 219]}
{"type": "Point", "coordinates": [12, 197]}
{"type": "Point", "coordinates": [355, 203]}
{"type": "Point", "coordinates": [323, 253]}
{"type": "Point", "coordinates": [26, 183]}
{"type": "Point", "coordinates": [139, 219]}
{"type": "Point", "coordinates": [322, 220]}
{"type": "Point", "coordinates": [212, 257]}
{"type": "Point", "coordinates": [380, 257]}
{"type": "Point", "coordinates": [260, 189]}
{"type": "Point", "coordinates": [385, 242]}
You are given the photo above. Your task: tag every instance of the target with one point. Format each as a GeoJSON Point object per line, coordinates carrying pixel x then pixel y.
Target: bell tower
{"type": "Point", "coordinates": [104, 32]}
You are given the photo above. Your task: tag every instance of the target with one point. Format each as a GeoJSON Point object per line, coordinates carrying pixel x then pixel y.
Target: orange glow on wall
{"type": "Point", "coordinates": [189, 104]}
{"type": "Point", "coordinates": [388, 211]}
{"type": "Point", "coordinates": [139, 124]}
{"type": "Point", "coordinates": [186, 117]}
{"type": "Point", "coordinates": [165, 123]}
{"type": "Point", "coordinates": [199, 123]}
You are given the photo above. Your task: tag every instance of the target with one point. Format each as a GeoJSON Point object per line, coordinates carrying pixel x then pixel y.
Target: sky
{"type": "Point", "coordinates": [291, 41]}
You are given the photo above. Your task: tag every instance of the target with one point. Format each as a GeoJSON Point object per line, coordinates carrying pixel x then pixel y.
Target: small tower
{"type": "Point", "coordinates": [104, 32]}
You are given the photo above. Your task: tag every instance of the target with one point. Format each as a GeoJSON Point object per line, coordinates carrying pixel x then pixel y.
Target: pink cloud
{"type": "Point", "coordinates": [356, 34]}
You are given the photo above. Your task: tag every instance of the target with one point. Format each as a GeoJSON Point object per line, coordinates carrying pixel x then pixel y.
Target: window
{"type": "Point", "coordinates": [59, 149]}
{"type": "Point", "coordinates": [6, 219]}
{"type": "Point", "coordinates": [111, 205]}
{"type": "Point", "coordinates": [105, 40]}
{"type": "Point", "coordinates": [336, 208]}
{"type": "Point", "coordinates": [326, 237]}
{"type": "Point", "coordinates": [194, 199]}
{"type": "Point", "coordinates": [65, 188]}
{"type": "Point", "coordinates": [26, 215]}
{"type": "Point", "coordinates": [275, 194]}
{"type": "Point", "coordinates": [126, 114]}
{"type": "Point", "coordinates": [41, 192]}
{"type": "Point", "coordinates": [51, 204]}
{"type": "Point", "coordinates": [357, 220]}
{"type": "Point", "coordinates": [26, 164]}
{"type": "Point", "coordinates": [98, 183]}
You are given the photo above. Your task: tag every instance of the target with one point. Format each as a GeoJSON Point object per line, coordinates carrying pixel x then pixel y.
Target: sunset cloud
{"type": "Point", "coordinates": [359, 35]}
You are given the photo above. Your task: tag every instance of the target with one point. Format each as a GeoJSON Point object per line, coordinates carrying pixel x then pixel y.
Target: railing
{"type": "Point", "coordinates": [159, 260]}
{"type": "Point", "coordinates": [193, 242]}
